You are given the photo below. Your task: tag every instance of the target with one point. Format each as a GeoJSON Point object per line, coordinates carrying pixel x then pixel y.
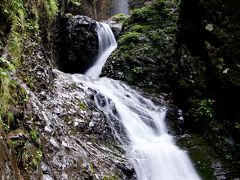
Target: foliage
{"type": "Point", "coordinates": [22, 17]}
{"type": "Point", "coordinates": [34, 135]}
{"type": "Point", "coordinates": [24, 23]}
{"type": "Point", "coordinates": [6, 85]}
{"type": "Point", "coordinates": [130, 37]}
{"type": "Point", "coordinates": [146, 47]}
{"type": "Point", "coordinates": [138, 70]}
{"type": "Point", "coordinates": [140, 28]}
{"type": "Point", "coordinates": [82, 105]}
{"type": "Point", "coordinates": [205, 108]}
{"type": "Point", "coordinates": [51, 7]}
{"type": "Point", "coordinates": [29, 152]}
{"type": "Point", "coordinates": [110, 178]}
{"type": "Point", "coordinates": [120, 17]}
{"type": "Point", "coordinates": [30, 156]}
{"type": "Point", "coordinates": [141, 14]}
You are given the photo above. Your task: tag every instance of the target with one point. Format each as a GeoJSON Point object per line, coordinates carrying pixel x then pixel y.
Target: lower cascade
{"type": "Point", "coordinates": [148, 146]}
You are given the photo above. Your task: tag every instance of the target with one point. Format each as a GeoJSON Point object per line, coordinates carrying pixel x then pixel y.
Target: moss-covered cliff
{"type": "Point", "coordinates": [146, 47]}
{"type": "Point", "coordinates": [189, 49]}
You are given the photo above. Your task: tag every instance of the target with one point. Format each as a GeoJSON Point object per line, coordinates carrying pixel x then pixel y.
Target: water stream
{"type": "Point", "coordinates": [106, 45]}
{"type": "Point", "coordinates": [149, 147]}
{"type": "Point", "coordinates": [119, 6]}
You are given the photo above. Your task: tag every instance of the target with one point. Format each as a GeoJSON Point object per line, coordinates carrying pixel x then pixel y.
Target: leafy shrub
{"type": "Point", "coordinates": [139, 28]}
{"type": "Point", "coordinates": [205, 109]}
{"type": "Point", "coordinates": [141, 14]}
{"type": "Point", "coordinates": [120, 17]}
{"type": "Point", "coordinates": [51, 7]}
{"type": "Point", "coordinates": [129, 38]}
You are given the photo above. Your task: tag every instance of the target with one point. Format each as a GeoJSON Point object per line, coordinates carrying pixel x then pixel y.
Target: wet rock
{"type": "Point", "coordinates": [81, 45]}
{"type": "Point", "coordinates": [208, 163]}
{"type": "Point", "coordinates": [8, 163]}
{"type": "Point", "coordinates": [76, 138]}
{"type": "Point", "coordinates": [115, 25]}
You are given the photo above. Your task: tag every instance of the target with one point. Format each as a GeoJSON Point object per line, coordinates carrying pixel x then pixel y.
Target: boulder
{"type": "Point", "coordinates": [115, 26]}
{"type": "Point", "coordinates": [81, 44]}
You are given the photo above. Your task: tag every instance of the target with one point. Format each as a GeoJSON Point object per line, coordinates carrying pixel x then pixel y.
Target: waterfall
{"type": "Point", "coordinates": [148, 146]}
{"type": "Point", "coordinates": [106, 45]}
{"type": "Point", "coordinates": [119, 6]}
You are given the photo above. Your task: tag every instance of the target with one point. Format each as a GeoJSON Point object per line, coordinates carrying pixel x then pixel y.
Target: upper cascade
{"type": "Point", "coordinates": [107, 44]}
{"type": "Point", "coordinates": [119, 6]}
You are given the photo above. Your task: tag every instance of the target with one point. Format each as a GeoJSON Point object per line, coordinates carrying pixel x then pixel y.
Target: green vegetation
{"type": "Point", "coordinates": [120, 17]}
{"type": "Point", "coordinates": [23, 20]}
{"type": "Point", "coordinates": [34, 135]}
{"type": "Point", "coordinates": [130, 37]}
{"type": "Point", "coordinates": [146, 46]}
{"type": "Point", "coordinates": [82, 106]}
{"type": "Point", "coordinates": [110, 178]}
{"type": "Point", "coordinates": [51, 7]}
{"type": "Point", "coordinates": [205, 109]}
{"type": "Point", "coordinates": [28, 151]}
{"type": "Point", "coordinates": [21, 28]}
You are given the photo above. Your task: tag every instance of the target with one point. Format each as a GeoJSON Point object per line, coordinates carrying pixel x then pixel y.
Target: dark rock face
{"type": "Point", "coordinates": [207, 70]}
{"type": "Point", "coordinates": [209, 52]}
{"type": "Point", "coordinates": [81, 45]}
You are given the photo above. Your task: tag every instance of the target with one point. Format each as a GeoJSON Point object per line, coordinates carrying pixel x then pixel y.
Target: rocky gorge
{"type": "Point", "coordinates": [180, 57]}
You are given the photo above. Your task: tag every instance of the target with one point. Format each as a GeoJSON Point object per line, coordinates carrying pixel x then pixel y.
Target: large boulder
{"type": "Point", "coordinates": [81, 44]}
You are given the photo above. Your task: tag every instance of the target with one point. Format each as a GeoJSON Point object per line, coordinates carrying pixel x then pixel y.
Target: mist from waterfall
{"type": "Point", "coordinates": [119, 7]}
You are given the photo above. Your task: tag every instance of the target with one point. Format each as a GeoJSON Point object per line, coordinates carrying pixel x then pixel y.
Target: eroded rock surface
{"type": "Point", "coordinates": [77, 141]}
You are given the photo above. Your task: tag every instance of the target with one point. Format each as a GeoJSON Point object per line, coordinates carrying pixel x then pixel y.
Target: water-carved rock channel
{"type": "Point", "coordinates": [143, 133]}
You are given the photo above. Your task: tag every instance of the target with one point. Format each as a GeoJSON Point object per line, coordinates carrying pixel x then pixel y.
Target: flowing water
{"type": "Point", "coordinates": [119, 6]}
{"type": "Point", "coordinates": [149, 147]}
{"type": "Point", "coordinates": [106, 45]}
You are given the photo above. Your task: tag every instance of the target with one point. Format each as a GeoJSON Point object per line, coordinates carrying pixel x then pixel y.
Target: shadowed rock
{"type": "Point", "coordinates": [81, 44]}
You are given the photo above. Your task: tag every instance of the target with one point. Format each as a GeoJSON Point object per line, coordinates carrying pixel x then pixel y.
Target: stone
{"type": "Point", "coordinates": [81, 46]}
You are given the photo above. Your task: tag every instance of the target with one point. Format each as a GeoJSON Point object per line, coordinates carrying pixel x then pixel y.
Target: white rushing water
{"type": "Point", "coordinates": [149, 147]}
{"type": "Point", "coordinates": [106, 45]}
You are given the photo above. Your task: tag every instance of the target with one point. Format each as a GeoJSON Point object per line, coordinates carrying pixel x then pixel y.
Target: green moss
{"type": "Point", "coordinates": [34, 135]}
{"type": "Point", "coordinates": [120, 17]}
{"type": "Point", "coordinates": [23, 19]}
{"type": "Point", "coordinates": [111, 178]}
{"type": "Point", "coordinates": [51, 7]}
{"type": "Point", "coordinates": [140, 28]}
{"type": "Point", "coordinates": [130, 37]}
{"type": "Point", "coordinates": [6, 86]}
{"type": "Point", "coordinates": [82, 106]}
